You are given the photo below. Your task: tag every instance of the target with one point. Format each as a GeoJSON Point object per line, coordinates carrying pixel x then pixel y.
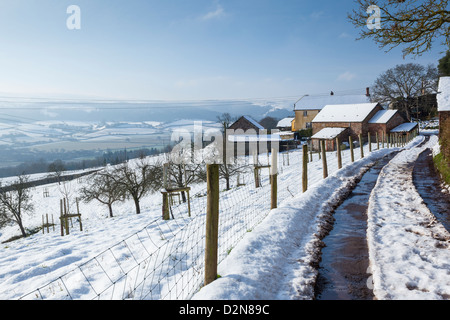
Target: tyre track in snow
{"type": "Point", "coordinates": [343, 271]}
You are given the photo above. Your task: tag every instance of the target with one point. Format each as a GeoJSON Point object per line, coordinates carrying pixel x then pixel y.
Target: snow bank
{"type": "Point", "coordinates": [409, 250]}
{"type": "Point", "coordinates": [443, 97]}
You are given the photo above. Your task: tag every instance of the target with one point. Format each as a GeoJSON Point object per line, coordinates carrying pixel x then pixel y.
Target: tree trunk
{"type": "Point", "coordinates": [136, 203]}
{"type": "Point", "coordinates": [110, 210]}
{"type": "Point", "coordinates": [22, 229]}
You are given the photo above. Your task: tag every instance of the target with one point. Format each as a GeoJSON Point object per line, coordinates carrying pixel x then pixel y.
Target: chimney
{"type": "Point", "coordinates": [368, 92]}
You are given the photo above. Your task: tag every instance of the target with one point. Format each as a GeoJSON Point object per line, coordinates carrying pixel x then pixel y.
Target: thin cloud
{"type": "Point", "coordinates": [219, 12]}
{"type": "Point", "coordinates": [346, 76]}
{"type": "Point", "coordinates": [317, 14]}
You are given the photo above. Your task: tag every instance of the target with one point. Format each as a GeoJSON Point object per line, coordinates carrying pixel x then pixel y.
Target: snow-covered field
{"type": "Point", "coordinates": [264, 254]}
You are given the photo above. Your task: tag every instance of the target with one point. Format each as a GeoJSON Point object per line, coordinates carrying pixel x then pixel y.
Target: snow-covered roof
{"type": "Point", "coordinates": [405, 127]}
{"type": "Point", "coordinates": [328, 133]}
{"type": "Point", "coordinates": [443, 97]}
{"type": "Point", "coordinates": [318, 102]}
{"type": "Point", "coordinates": [286, 122]}
{"type": "Point", "coordinates": [253, 138]}
{"type": "Point", "coordinates": [383, 116]}
{"type": "Point", "coordinates": [345, 112]}
{"type": "Point", "coordinates": [254, 122]}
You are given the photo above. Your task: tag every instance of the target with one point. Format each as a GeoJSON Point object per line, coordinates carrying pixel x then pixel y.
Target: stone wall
{"type": "Point", "coordinates": [355, 127]}
{"type": "Point", "coordinates": [300, 120]}
{"type": "Point", "coordinates": [381, 128]}
{"type": "Point", "coordinates": [444, 133]}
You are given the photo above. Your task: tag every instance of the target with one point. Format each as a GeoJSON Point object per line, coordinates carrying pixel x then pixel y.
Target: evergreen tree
{"type": "Point", "coordinates": [444, 65]}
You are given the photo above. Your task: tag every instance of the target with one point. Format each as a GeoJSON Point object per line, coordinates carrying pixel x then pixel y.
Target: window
{"type": "Point", "coordinates": [305, 113]}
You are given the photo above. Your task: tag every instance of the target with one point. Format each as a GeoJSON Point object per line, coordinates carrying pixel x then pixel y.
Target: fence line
{"type": "Point", "coordinates": [166, 259]}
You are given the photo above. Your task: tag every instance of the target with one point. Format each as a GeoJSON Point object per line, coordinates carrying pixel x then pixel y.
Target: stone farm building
{"type": "Point", "coordinates": [443, 99]}
{"type": "Point", "coordinates": [342, 121]}
{"type": "Point", "coordinates": [309, 106]}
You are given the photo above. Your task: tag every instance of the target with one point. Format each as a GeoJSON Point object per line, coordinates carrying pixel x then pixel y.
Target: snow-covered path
{"type": "Point", "coordinates": [409, 250]}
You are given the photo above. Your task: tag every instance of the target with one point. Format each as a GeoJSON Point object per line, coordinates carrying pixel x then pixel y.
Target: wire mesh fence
{"type": "Point", "coordinates": [165, 259]}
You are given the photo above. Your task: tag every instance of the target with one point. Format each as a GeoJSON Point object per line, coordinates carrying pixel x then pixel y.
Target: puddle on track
{"type": "Point", "coordinates": [343, 271]}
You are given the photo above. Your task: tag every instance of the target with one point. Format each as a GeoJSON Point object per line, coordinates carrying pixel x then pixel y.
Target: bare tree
{"type": "Point", "coordinates": [183, 171]}
{"type": "Point", "coordinates": [103, 189]}
{"type": "Point", "coordinates": [65, 188]}
{"type": "Point", "coordinates": [226, 120]}
{"type": "Point", "coordinates": [16, 202]}
{"type": "Point", "coordinates": [139, 180]}
{"type": "Point", "coordinates": [400, 84]}
{"type": "Point", "coordinates": [227, 171]}
{"type": "Point", "coordinates": [56, 168]}
{"type": "Point", "coordinates": [414, 24]}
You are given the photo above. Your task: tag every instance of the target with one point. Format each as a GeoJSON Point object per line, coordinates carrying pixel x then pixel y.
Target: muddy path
{"type": "Point", "coordinates": [343, 270]}
{"type": "Point", "coordinates": [427, 182]}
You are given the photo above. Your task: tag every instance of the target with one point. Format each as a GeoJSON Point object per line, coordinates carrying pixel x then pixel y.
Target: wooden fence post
{"type": "Point", "coordinates": [370, 142]}
{"type": "Point", "coordinates": [256, 169]}
{"type": "Point", "coordinates": [61, 217]}
{"type": "Point", "coordinates": [305, 168]}
{"type": "Point", "coordinates": [339, 156]}
{"type": "Point", "coordinates": [274, 180]}
{"type": "Point", "coordinates": [48, 226]}
{"type": "Point", "coordinates": [212, 222]}
{"type": "Point", "coordinates": [79, 215]}
{"type": "Point", "coordinates": [66, 220]}
{"type": "Point", "coordinates": [165, 194]}
{"type": "Point", "coordinates": [378, 140]}
{"type": "Point", "coordinates": [350, 141]}
{"type": "Point", "coordinates": [324, 159]}
{"type": "Point", "coordinates": [361, 146]}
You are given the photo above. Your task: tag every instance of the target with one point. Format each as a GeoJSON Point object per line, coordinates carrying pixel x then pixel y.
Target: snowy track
{"type": "Point", "coordinates": [409, 250]}
{"type": "Point", "coordinates": [280, 258]}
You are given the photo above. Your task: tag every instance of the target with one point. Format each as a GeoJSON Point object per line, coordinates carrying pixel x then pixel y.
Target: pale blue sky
{"type": "Point", "coordinates": [178, 49]}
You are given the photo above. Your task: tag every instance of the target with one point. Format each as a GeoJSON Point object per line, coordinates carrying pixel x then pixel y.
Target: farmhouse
{"type": "Point", "coordinates": [444, 116]}
{"type": "Point", "coordinates": [354, 117]}
{"type": "Point", "coordinates": [309, 107]}
{"type": "Point", "coordinates": [342, 121]}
